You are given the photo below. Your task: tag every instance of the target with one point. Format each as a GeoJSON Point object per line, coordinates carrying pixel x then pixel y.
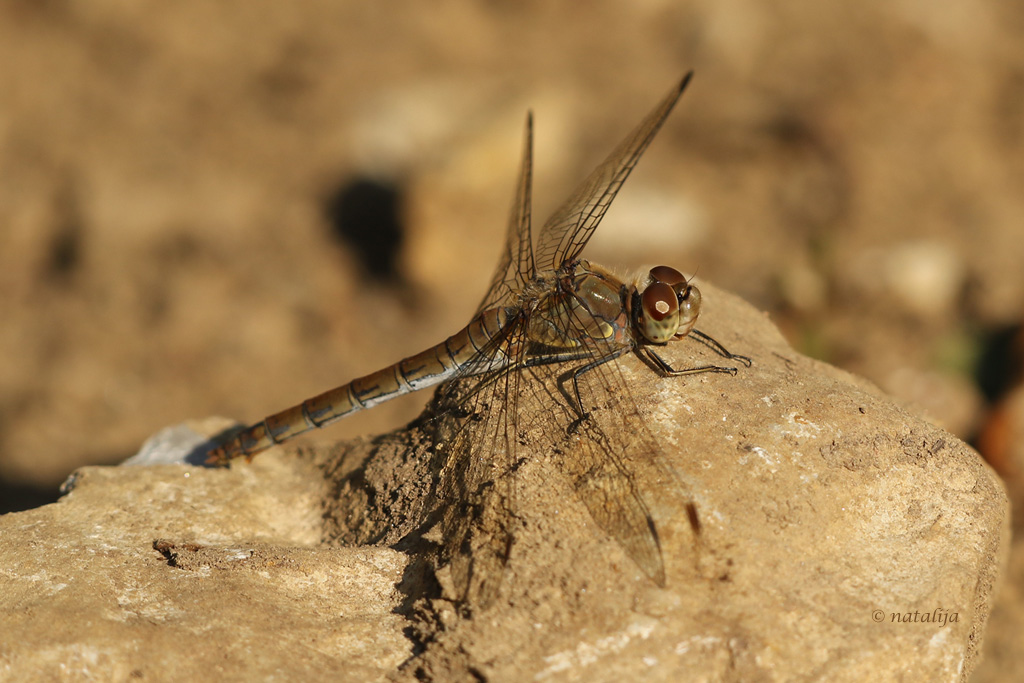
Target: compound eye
{"type": "Point", "coordinates": [659, 301]}
{"type": "Point", "coordinates": [667, 274]}
{"type": "Point", "coordinates": [689, 309]}
{"type": "Point", "coordinates": [660, 312]}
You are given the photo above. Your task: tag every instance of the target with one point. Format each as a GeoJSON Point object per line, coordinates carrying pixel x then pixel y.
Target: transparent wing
{"type": "Point", "coordinates": [604, 474]}
{"type": "Point", "coordinates": [614, 464]}
{"type": "Point", "coordinates": [516, 266]}
{"type": "Point", "coordinates": [610, 457]}
{"type": "Point", "coordinates": [569, 229]}
{"type": "Point", "coordinates": [475, 429]}
{"type": "Point", "coordinates": [617, 467]}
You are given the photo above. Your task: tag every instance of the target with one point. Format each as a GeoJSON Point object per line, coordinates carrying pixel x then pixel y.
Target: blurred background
{"type": "Point", "coordinates": [227, 208]}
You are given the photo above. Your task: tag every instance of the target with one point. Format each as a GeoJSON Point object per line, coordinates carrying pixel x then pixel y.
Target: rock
{"type": "Point", "coordinates": [174, 571]}
{"type": "Point", "coordinates": [815, 530]}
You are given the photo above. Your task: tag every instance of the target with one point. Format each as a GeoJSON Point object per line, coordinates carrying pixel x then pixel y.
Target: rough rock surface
{"type": "Point", "coordinates": [836, 537]}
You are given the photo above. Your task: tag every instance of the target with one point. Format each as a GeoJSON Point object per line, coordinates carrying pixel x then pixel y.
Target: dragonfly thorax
{"type": "Point", "coordinates": [577, 306]}
{"type": "Point", "coordinates": [665, 305]}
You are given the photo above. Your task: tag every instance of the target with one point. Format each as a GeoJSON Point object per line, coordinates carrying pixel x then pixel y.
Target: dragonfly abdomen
{"type": "Point", "coordinates": [464, 351]}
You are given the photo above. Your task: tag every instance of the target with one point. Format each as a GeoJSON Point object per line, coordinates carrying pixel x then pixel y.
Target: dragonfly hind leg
{"type": "Point", "coordinates": [574, 399]}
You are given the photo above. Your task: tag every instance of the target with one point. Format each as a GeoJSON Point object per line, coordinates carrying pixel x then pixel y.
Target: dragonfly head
{"type": "Point", "coordinates": [667, 307]}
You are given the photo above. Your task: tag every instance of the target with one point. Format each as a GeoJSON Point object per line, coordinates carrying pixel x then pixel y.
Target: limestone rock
{"type": "Point", "coordinates": [828, 534]}
{"type": "Point", "coordinates": [178, 572]}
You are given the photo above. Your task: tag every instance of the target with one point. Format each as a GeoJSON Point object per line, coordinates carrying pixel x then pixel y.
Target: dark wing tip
{"type": "Point", "coordinates": [528, 142]}
{"type": "Point", "coordinates": [685, 82]}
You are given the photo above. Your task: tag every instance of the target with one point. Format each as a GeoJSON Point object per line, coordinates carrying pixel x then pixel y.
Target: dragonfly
{"type": "Point", "coordinates": [551, 327]}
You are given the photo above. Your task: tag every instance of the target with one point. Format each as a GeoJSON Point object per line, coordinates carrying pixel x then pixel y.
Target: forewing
{"type": "Point", "coordinates": [615, 464]}
{"type": "Point", "coordinates": [569, 229]}
{"type": "Point", "coordinates": [612, 461]}
{"type": "Point", "coordinates": [616, 467]}
{"type": "Point", "coordinates": [516, 266]}
{"type": "Point", "coordinates": [608, 490]}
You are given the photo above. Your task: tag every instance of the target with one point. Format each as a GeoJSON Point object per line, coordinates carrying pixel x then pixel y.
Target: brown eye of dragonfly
{"type": "Point", "coordinates": [659, 301]}
{"type": "Point", "coordinates": [667, 274]}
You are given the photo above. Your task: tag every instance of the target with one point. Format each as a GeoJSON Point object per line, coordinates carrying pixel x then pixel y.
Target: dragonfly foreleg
{"type": "Point", "coordinates": [662, 367]}
{"type": "Point", "coordinates": [717, 347]}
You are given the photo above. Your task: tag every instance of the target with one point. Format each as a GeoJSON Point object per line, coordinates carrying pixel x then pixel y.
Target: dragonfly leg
{"type": "Point", "coordinates": [717, 347]}
{"type": "Point", "coordinates": [575, 401]}
{"type": "Point", "coordinates": [662, 367]}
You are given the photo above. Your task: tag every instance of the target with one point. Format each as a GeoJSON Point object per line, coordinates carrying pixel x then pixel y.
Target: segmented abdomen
{"type": "Point", "coordinates": [460, 352]}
